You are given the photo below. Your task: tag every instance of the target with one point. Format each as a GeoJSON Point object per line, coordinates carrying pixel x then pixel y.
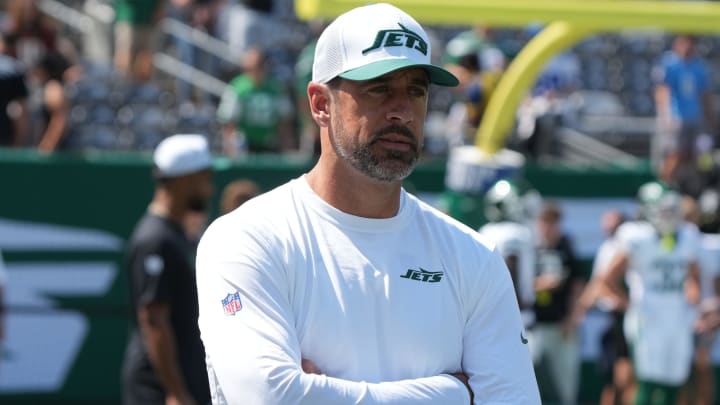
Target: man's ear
{"type": "Point", "coordinates": [319, 97]}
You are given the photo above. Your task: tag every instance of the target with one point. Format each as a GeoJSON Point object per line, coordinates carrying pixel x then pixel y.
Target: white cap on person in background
{"type": "Point", "coordinates": [181, 154]}
{"type": "Point", "coordinates": [370, 41]}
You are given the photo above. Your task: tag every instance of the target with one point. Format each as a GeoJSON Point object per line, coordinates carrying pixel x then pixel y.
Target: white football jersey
{"type": "Point", "coordinates": [512, 238]}
{"type": "Point", "coordinates": [659, 321]}
{"type": "Point", "coordinates": [656, 276]}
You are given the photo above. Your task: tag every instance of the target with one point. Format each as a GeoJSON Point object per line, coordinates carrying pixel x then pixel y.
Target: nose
{"type": "Point", "coordinates": [400, 109]}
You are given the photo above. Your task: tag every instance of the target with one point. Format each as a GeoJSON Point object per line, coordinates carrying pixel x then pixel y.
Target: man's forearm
{"type": "Point", "coordinates": [21, 123]}
{"type": "Point", "coordinates": [662, 102]}
{"type": "Point", "coordinates": [54, 132]}
{"type": "Point", "coordinates": [311, 368]}
{"type": "Point", "coordinates": [229, 140]}
{"type": "Point", "coordinates": [286, 383]}
{"type": "Point", "coordinates": [160, 343]}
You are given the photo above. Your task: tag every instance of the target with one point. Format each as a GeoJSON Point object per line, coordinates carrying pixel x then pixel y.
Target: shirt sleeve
{"type": "Point", "coordinates": [17, 89]}
{"type": "Point", "coordinates": [495, 354]}
{"type": "Point", "coordinates": [248, 330]}
{"type": "Point", "coordinates": [152, 275]}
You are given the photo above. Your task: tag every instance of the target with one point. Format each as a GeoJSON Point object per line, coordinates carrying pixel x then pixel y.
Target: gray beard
{"type": "Point", "coordinates": [394, 166]}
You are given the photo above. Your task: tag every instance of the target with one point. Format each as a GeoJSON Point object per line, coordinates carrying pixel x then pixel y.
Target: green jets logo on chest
{"type": "Point", "coordinates": [423, 275]}
{"type": "Point", "coordinates": [398, 37]}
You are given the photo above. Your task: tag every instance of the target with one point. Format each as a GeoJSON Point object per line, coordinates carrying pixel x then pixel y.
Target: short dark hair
{"type": "Point", "coordinates": [334, 83]}
{"type": "Point", "coordinates": [470, 62]}
{"type": "Point", "coordinates": [159, 177]}
{"type": "Point", "coordinates": [550, 212]}
{"type": "Point", "coordinates": [689, 37]}
{"type": "Point", "coordinates": [54, 64]}
{"type": "Point", "coordinates": [237, 193]}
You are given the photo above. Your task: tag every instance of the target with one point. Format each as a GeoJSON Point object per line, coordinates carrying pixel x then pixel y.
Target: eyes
{"type": "Point", "coordinates": [385, 90]}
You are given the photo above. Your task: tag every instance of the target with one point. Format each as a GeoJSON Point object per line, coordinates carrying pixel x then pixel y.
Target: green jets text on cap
{"type": "Point", "coordinates": [402, 37]}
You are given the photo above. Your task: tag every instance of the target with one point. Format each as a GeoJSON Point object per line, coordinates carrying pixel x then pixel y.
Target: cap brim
{"type": "Point", "coordinates": [373, 70]}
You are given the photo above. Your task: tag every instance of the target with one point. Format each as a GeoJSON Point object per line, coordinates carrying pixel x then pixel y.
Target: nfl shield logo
{"type": "Point", "coordinates": [231, 303]}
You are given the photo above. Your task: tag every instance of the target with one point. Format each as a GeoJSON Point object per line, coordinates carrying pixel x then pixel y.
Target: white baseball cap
{"type": "Point", "coordinates": [181, 154]}
{"type": "Point", "coordinates": [373, 40]}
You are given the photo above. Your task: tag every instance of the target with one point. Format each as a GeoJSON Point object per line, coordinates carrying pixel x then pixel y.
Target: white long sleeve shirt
{"type": "Point", "coordinates": [383, 307]}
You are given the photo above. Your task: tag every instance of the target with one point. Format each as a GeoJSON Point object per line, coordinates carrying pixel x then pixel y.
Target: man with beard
{"type": "Point", "coordinates": [165, 360]}
{"type": "Point", "coordinates": [340, 287]}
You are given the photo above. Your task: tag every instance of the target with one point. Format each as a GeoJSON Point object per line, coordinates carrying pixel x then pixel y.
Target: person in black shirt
{"type": "Point", "coordinates": [558, 284]}
{"type": "Point", "coordinates": [165, 359]}
{"type": "Point", "coordinates": [13, 90]}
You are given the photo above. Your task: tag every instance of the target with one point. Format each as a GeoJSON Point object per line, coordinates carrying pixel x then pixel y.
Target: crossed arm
{"type": "Point", "coordinates": [255, 354]}
{"type": "Point", "coordinates": [154, 321]}
{"type": "Point", "coordinates": [310, 368]}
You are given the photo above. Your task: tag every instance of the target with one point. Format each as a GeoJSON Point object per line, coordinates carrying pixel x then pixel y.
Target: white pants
{"type": "Point", "coordinates": [562, 356]}
{"type": "Point", "coordinates": [662, 344]}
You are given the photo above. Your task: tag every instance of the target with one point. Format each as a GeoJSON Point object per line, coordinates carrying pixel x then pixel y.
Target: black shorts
{"type": "Point", "coordinates": [680, 139]}
{"type": "Point", "coordinates": [613, 346]}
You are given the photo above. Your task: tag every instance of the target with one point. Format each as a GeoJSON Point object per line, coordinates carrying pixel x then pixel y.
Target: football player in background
{"type": "Point", "coordinates": [658, 254]}
{"type": "Point", "coordinates": [509, 207]}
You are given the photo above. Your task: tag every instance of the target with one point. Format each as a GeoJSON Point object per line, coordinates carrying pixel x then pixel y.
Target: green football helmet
{"type": "Point", "coordinates": [507, 200]}
{"type": "Point", "coordinates": [661, 206]}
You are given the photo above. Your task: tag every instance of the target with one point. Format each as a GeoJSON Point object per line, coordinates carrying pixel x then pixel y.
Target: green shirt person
{"type": "Point", "coordinates": [255, 110]}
